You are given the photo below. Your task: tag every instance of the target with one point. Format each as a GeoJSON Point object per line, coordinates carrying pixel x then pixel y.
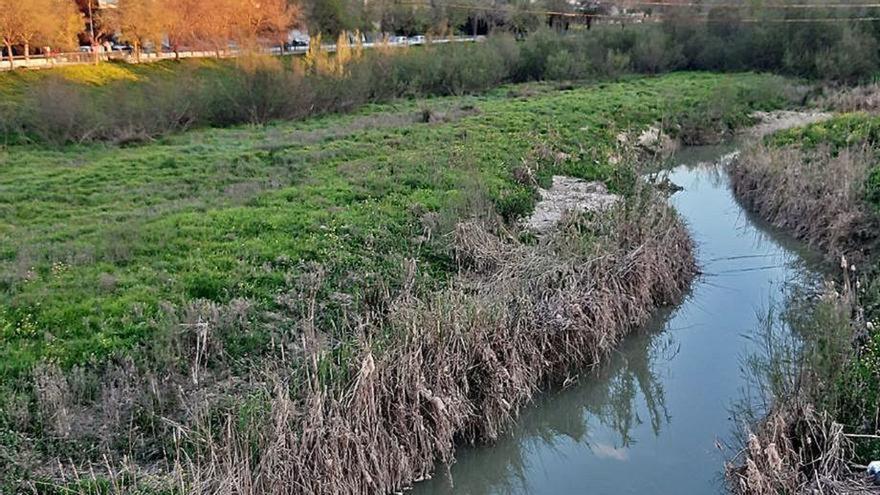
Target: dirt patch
{"type": "Point", "coordinates": [568, 195]}
{"type": "Point", "coordinates": [770, 122]}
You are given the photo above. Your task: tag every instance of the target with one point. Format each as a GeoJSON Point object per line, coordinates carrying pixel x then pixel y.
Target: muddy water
{"type": "Point", "coordinates": [651, 420]}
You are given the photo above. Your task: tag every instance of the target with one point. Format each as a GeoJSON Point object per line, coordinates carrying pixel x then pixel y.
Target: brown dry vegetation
{"type": "Point", "coordinates": [862, 98]}
{"type": "Point", "coordinates": [429, 370]}
{"type": "Point", "coordinates": [815, 195]}
{"type": "Point", "coordinates": [814, 185]}
{"type": "Point", "coordinates": [796, 450]}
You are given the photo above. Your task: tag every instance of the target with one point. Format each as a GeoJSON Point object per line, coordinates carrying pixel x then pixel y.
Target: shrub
{"type": "Point", "coordinates": [851, 59]}
{"type": "Point", "coordinates": [57, 111]}
{"type": "Point", "coordinates": [654, 52]}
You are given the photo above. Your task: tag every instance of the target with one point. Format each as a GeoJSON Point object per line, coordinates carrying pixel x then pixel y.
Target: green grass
{"type": "Point", "coordinates": [96, 240]}
{"type": "Point", "coordinates": [15, 83]}
{"type": "Point", "coordinates": [839, 132]}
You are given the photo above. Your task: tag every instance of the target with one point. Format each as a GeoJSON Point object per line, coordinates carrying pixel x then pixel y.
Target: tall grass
{"type": "Point", "coordinates": [257, 90]}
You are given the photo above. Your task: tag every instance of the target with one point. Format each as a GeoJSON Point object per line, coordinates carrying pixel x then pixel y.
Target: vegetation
{"type": "Point", "coordinates": [127, 104]}
{"type": "Point", "coordinates": [210, 278]}
{"type": "Point", "coordinates": [820, 182]}
{"type": "Point", "coordinates": [37, 23]}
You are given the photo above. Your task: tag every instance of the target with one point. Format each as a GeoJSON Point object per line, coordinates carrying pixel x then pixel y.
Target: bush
{"type": "Point", "coordinates": [853, 58]}
{"type": "Point", "coordinates": [57, 111]}
{"type": "Point", "coordinates": [654, 52]}
{"type": "Point", "coordinates": [259, 89]}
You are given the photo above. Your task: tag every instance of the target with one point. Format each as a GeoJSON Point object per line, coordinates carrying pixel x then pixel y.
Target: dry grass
{"type": "Point", "coordinates": [796, 450]}
{"type": "Point", "coordinates": [863, 98]}
{"type": "Point", "coordinates": [425, 372]}
{"type": "Point", "coordinates": [458, 364]}
{"type": "Point", "coordinates": [817, 196]}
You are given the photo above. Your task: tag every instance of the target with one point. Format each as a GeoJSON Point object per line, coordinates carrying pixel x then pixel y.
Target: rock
{"type": "Point", "coordinates": [656, 142]}
{"type": "Point", "coordinates": [566, 195]}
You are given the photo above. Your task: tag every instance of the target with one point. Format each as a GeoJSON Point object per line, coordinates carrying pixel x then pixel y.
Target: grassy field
{"type": "Point", "coordinates": [16, 83]}
{"type": "Point", "coordinates": [97, 240]}
{"type": "Point", "coordinates": [167, 280]}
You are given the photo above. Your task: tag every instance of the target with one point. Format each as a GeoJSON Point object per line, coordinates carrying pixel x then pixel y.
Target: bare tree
{"type": "Point", "coordinates": [217, 22]}
{"type": "Point", "coordinates": [275, 18]}
{"type": "Point", "coordinates": [10, 25]}
{"type": "Point", "coordinates": [26, 23]}
{"type": "Point", "coordinates": [139, 22]}
{"type": "Point", "coordinates": [176, 23]}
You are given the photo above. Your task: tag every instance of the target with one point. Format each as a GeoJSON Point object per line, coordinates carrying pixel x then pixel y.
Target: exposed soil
{"type": "Point", "coordinates": [770, 122]}
{"type": "Point", "coordinates": [565, 196]}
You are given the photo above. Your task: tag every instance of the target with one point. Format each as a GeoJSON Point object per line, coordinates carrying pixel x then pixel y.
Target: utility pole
{"type": "Point", "coordinates": [92, 31]}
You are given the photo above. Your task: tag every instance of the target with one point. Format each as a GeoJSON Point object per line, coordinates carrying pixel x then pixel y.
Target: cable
{"type": "Point", "coordinates": [792, 6]}
{"type": "Point", "coordinates": [641, 20]}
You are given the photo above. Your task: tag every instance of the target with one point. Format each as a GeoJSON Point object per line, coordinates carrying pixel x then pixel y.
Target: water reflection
{"type": "Point", "coordinates": [650, 419]}
{"type": "Point", "coordinates": [599, 413]}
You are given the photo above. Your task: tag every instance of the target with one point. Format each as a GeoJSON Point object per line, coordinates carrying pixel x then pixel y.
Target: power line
{"type": "Point", "coordinates": [792, 6]}
{"type": "Point", "coordinates": [640, 20]}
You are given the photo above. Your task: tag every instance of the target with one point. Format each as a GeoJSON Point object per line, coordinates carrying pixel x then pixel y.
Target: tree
{"type": "Point", "coordinates": [138, 22]}
{"type": "Point", "coordinates": [330, 17]}
{"type": "Point", "coordinates": [10, 24]}
{"type": "Point", "coordinates": [68, 23]}
{"type": "Point", "coordinates": [217, 22]}
{"type": "Point", "coordinates": [273, 19]}
{"type": "Point", "coordinates": [559, 17]}
{"type": "Point", "coordinates": [26, 23]}
{"type": "Point", "coordinates": [176, 23]}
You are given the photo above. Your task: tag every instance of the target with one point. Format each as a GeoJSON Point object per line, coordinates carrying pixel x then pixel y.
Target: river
{"type": "Point", "coordinates": [650, 421]}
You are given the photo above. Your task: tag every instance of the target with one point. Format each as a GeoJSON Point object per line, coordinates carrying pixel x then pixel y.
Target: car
{"type": "Point", "coordinates": [399, 40]}
{"type": "Point", "coordinates": [85, 49]}
{"type": "Point", "coordinates": [416, 40]}
{"type": "Point", "coordinates": [121, 48]}
{"type": "Point", "coordinates": [298, 43]}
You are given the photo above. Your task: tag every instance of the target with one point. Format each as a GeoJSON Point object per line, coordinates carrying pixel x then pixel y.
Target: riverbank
{"type": "Point", "coordinates": [665, 396]}
{"type": "Point", "coordinates": [330, 304]}
{"type": "Point", "coordinates": [817, 182]}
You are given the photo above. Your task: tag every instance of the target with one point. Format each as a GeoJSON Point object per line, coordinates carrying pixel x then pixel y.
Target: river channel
{"type": "Point", "coordinates": [651, 420]}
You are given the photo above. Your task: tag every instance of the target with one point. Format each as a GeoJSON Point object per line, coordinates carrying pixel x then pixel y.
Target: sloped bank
{"type": "Point", "coordinates": [459, 364]}
{"type": "Point", "coordinates": [814, 182]}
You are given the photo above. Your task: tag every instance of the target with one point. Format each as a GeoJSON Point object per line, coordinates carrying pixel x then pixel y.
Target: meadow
{"type": "Point", "coordinates": [118, 258]}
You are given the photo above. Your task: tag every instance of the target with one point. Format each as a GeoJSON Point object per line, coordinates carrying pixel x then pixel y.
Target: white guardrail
{"type": "Point", "coordinates": [86, 57]}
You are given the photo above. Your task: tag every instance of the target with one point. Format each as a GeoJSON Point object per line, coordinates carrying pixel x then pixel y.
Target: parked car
{"type": "Point", "coordinates": [399, 40]}
{"type": "Point", "coordinates": [122, 48]}
{"type": "Point", "coordinates": [85, 49]}
{"type": "Point", "coordinates": [417, 40]}
{"type": "Point", "coordinates": [298, 43]}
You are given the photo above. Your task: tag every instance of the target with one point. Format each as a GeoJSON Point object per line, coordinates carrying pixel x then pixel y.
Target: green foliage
{"type": "Point", "coordinates": [851, 59]}
{"type": "Point", "coordinates": [331, 17]}
{"type": "Point", "coordinates": [840, 132]}
{"type": "Point", "coordinates": [728, 109]}
{"type": "Point", "coordinates": [97, 241]}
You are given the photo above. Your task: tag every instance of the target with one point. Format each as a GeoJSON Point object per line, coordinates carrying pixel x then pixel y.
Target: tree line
{"type": "Point", "coordinates": [205, 24]}
{"type": "Point", "coordinates": [37, 25]}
